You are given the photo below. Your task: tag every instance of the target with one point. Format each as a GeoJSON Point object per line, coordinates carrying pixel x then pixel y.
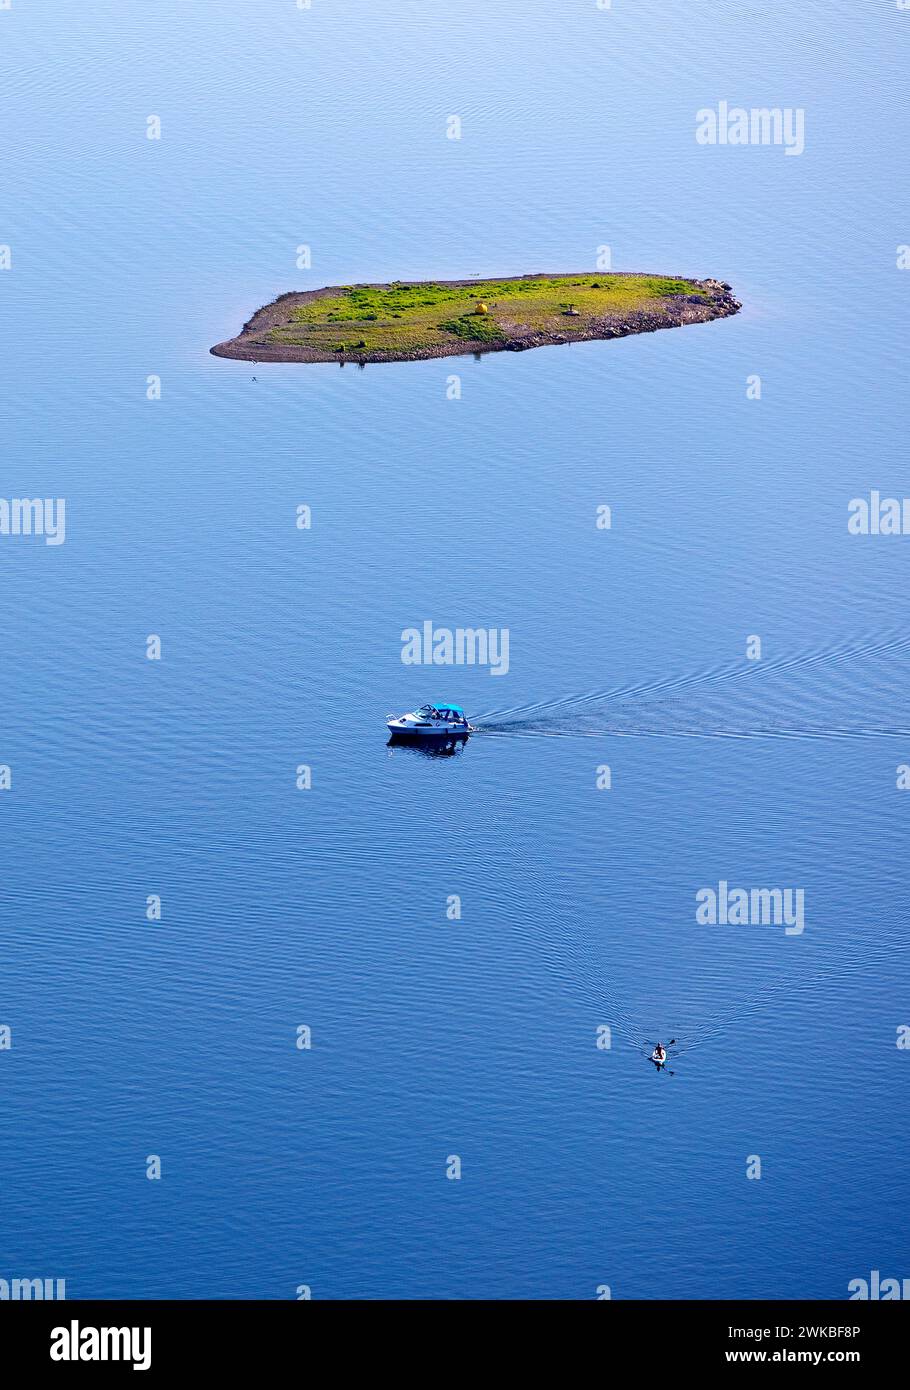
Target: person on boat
{"type": "Point", "coordinates": [659, 1056]}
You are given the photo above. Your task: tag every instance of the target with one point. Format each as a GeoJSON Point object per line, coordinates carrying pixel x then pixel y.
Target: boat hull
{"type": "Point", "coordinates": [398, 729]}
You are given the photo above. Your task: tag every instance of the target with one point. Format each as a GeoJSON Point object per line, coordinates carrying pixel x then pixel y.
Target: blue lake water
{"type": "Point", "coordinates": [327, 907]}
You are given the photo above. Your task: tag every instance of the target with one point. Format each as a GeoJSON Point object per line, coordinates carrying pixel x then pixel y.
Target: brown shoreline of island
{"type": "Point", "coordinates": [706, 301]}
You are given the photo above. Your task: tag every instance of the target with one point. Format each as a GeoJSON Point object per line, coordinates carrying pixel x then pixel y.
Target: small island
{"type": "Point", "coordinates": [409, 321]}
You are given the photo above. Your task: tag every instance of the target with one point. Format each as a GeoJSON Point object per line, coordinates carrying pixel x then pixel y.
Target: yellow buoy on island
{"type": "Point", "coordinates": [481, 308]}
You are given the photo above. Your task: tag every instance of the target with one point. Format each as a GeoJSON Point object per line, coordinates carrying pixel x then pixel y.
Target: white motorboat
{"type": "Point", "coordinates": [431, 721]}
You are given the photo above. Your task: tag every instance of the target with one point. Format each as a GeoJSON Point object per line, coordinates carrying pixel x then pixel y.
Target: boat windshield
{"type": "Point", "coordinates": [444, 712]}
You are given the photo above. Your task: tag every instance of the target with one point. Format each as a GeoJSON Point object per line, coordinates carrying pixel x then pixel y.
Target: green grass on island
{"type": "Point", "coordinates": [406, 320]}
{"type": "Point", "coordinates": [403, 318]}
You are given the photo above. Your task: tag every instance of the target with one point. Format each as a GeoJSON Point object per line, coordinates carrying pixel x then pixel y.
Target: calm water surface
{"type": "Point", "coordinates": [131, 257]}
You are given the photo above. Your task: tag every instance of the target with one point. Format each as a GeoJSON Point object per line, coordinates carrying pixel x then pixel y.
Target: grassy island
{"type": "Point", "coordinates": [410, 320]}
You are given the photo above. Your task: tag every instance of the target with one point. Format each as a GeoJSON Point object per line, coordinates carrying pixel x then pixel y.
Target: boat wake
{"type": "Point", "coordinates": [817, 694]}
